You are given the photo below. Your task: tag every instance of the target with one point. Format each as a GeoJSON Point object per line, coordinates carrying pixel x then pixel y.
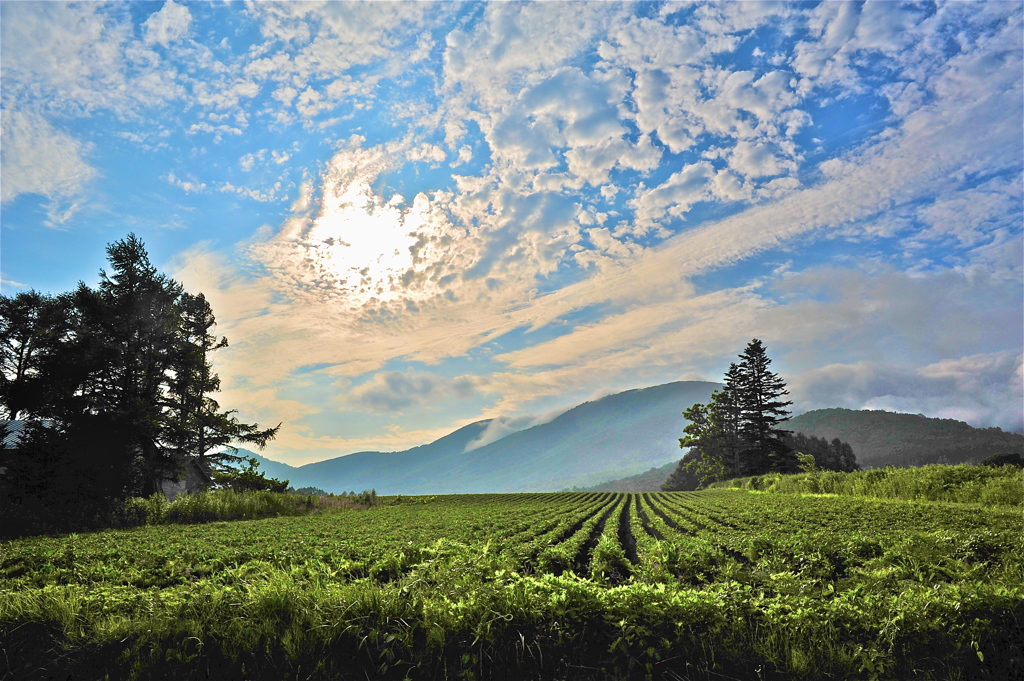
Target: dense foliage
{"type": "Point", "coordinates": [1005, 459]}
{"type": "Point", "coordinates": [988, 485]}
{"type": "Point", "coordinates": [115, 384]}
{"type": "Point", "coordinates": [706, 585]}
{"type": "Point", "coordinates": [829, 456]}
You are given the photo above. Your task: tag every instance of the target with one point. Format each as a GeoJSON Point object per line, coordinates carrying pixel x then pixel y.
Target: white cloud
{"type": "Point", "coordinates": [190, 186]}
{"type": "Point", "coordinates": [304, 201]}
{"type": "Point", "coordinates": [764, 97]}
{"type": "Point", "coordinates": [79, 58]}
{"type": "Point", "coordinates": [755, 160]}
{"type": "Point", "coordinates": [247, 161]}
{"type": "Point", "coordinates": [223, 94]}
{"type": "Point", "coordinates": [970, 216]}
{"type": "Point", "coordinates": [263, 195]}
{"type": "Point", "coordinates": [513, 45]}
{"type": "Point", "coordinates": [171, 23]}
{"type": "Point", "coordinates": [360, 277]}
{"type": "Point", "coordinates": [40, 159]}
{"type": "Point", "coordinates": [311, 48]}
{"type": "Point", "coordinates": [675, 196]}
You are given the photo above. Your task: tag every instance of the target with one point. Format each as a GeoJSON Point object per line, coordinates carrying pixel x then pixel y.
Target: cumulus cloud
{"type": "Point", "coordinates": [169, 24]}
{"type": "Point", "coordinates": [676, 195]}
{"type": "Point", "coordinates": [189, 186]}
{"type": "Point", "coordinates": [312, 49]}
{"type": "Point", "coordinates": [588, 137]}
{"type": "Point", "coordinates": [79, 58]}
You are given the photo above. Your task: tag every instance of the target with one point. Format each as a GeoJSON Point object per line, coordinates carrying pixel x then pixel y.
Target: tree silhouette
{"type": "Point", "coordinates": [32, 325]}
{"type": "Point", "coordinates": [116, 382]}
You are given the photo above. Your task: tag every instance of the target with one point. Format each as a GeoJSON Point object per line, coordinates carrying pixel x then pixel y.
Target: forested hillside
{"type": "Point", "coordinates": [878, 438]}
{"type": "Point", "coordinates": [882, 438]}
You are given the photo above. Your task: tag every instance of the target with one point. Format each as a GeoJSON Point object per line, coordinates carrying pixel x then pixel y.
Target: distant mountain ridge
{"type": "Point", "coordinates": [648, 481]}
{"type": "Point", "coordinates": [883, 438]}
{"type": "Point", "coordinates": [615, 436]}
{"type": "Point", "coordinates": [625, 442]}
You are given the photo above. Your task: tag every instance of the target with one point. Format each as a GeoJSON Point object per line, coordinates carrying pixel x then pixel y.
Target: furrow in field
{"type": "Point", "coordinates": [692, 530]}
{"type": "Point", "coordinates": [723, 537]}
{"type": "Point", "coordinates": [581, 559]}
{"type": "Point", "coordinates": [626, 538]}
{"type": "Point", "coordinates": [602, 554]}
{"type": "Point", "coordinates": [697, 512]}
{"type": "Point", "coordinates": [557, 551]}
{"type": "Point", "coordinates": [645, 520]}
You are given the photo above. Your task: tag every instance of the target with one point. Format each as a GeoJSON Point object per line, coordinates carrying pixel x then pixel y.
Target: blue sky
{"type": "Point", "coordinates": [411, 216]}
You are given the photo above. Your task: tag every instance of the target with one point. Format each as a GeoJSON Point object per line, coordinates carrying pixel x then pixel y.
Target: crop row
{"type": "Point", "coordinates": [699, 537]}
{"type": "Point", "coordinates": [581, 585]}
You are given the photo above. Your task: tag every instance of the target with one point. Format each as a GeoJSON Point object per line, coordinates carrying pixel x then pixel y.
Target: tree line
{"type": "Point", "coordinates": [113, 385]}
{"type": "Point", "coordinates": [739, 432]}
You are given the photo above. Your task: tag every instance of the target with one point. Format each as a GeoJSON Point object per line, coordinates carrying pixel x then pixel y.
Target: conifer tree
{"type": "Point", "coordinates": [714, 431]}
{"type": "Point", "coordinates": [32, 325]}
{"type": "Point", "coordinates": [759, 393]}
{"type": "Point", "coordinates": [737, 433]}
{"type": "Point", "coordinates": [196, 426]}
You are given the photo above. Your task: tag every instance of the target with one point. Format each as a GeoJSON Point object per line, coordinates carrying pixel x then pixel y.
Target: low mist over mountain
{"type": "Point", "coordinates": [616, 436]}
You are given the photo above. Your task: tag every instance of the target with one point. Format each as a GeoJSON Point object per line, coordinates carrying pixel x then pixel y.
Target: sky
{"type": "Point", "coordinates": [412, 216]}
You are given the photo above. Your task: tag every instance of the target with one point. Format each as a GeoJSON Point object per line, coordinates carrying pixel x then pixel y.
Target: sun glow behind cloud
{"type": "Point", "coordinates": [499, 209]}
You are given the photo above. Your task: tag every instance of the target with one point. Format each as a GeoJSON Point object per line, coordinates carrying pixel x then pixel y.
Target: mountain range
{"type": "Point", "coordinates": [628, 441]}
{"type": "Point", "coordinates": [615, 436]}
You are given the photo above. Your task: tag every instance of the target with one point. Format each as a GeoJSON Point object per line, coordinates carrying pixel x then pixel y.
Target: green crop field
{"type": "Point", "coordinates": [716, 584]}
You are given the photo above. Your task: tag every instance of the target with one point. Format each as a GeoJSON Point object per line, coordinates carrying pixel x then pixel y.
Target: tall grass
{"type": "Point", "coordinates": [214, 505]}
{"type": "Point", "coordinates": [986, 485]}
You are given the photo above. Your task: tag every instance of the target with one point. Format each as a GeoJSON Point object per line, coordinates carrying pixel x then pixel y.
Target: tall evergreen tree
{"type": "Point", "coordinates": [196, 426]}
{"type": "Point", "coordinates": [714, 432]}
{"type": "Point", "coordinates": [737, 433]}
{"type": "Point", "coordinates": [139, 323]}
{"type": "Point", "coordinates": [759, 394]}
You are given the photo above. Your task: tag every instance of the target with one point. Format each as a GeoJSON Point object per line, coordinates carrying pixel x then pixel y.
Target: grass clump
{"type": "Point", "coordinates": [214, 505]}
